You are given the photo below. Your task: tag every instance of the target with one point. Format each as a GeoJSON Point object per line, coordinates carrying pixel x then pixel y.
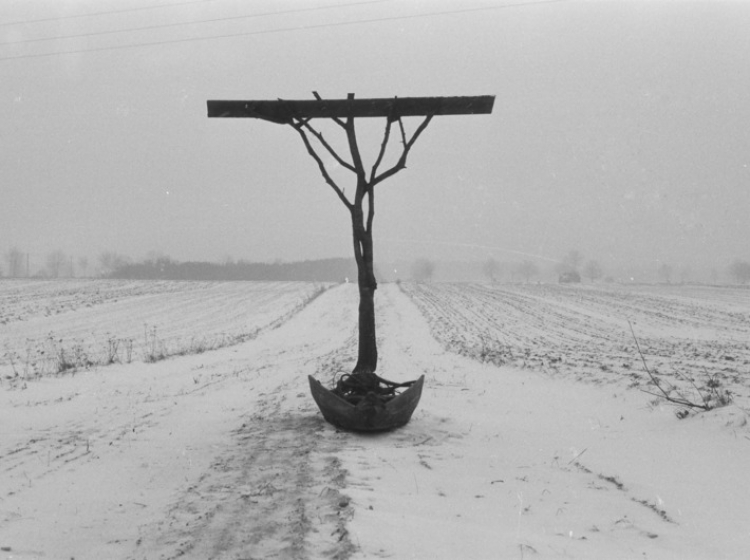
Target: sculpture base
{"type": "Point", "coordinates": [373, 413]}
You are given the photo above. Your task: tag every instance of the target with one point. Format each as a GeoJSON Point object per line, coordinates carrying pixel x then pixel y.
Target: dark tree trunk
{"type": "Point", "coordinates": [367, 358]}
{"type": "Point", "coordinates": [363, 378]}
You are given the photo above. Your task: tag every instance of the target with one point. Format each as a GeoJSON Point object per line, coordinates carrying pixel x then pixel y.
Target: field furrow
{"type": "Point", "coordinates": [97, 323]}
{"type": "Point", "coordinates": [695, 340]}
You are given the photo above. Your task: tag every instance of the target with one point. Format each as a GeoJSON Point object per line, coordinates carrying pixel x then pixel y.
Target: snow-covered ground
{"type": "Point", "coordinates": [534, 437]}
{"type": "Point", "coordinates": [50, 326]}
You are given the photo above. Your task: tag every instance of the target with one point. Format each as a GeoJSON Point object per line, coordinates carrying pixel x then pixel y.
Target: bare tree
{"type": "Point", "coordinates": [361, 209]}
{"type": "Point", "coordinates": [492, 269]}
{"type": "Point", "coordinates": [572, 260]}
{"type": "Point", "coordinates": [363, 386]}
{"type": "Point", "coordinates": [740, 271]}
{"type": "Point", "coordinates": [592, 270]}
{"type": "Point", "coordinates": [14, 258]}
{"type": "Point", "coordinates": [422, 270]}
{"type": "Point", "coordinates": [686, 272]}
{"type": "Point", "coordinates": [56, 260]}
{"type": "Point", "coordinates": [527, 269]}
{"type": "Point", "coordinates": [665, 271]}
{"type": "Point", "coordinates": [110, 261]}
{"type": "Point", "coordinates": [83, 265]}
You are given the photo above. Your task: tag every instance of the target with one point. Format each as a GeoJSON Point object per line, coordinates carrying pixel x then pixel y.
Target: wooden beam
{"type": "Point", "coordinates": [285, 111]}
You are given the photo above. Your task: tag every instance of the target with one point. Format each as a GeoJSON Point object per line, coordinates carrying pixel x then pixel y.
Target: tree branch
{"type": "Point", "coordinates": [327, 146]}
{"type": "Point", "coordinates": [401, 163]}
{"type": "Point", "coordinates": [337, 120]}
{"type": "Point", "coordinates": [383, 146]}
{"type": "Point", "coordinates": [370, 209]}
{"type": "Point", "coordinates": [403, 132]}
{"type": "Point", "coordinates": [359, 168]}
{"type": "Point", "coordinates": [321, 165]}
{"type": "Point", "coordinates": [682, 401]}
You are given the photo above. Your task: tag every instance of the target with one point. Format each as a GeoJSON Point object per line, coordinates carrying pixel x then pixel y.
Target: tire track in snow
{"type": "Point", "coordinates": [277, 491]}
{"type": "Point", "coordinates": [276, 494]}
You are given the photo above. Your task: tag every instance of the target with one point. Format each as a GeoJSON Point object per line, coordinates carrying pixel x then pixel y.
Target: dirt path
{"type": "Point", "coordinates": [273, 493]}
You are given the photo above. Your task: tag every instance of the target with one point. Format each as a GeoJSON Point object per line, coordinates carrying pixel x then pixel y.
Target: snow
{"type": "Point", "coordinates": [223, 454]}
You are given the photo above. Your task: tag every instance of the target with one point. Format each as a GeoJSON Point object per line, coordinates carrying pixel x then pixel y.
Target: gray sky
{"type": "Point", "coordinates": [620, 129]}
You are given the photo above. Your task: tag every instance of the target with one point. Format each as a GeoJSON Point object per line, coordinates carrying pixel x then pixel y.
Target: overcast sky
{"type": "Point", "coordinates": [620, 128]}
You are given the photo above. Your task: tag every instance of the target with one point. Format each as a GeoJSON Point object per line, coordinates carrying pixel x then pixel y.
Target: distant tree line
{"type": "Point", "coordinates": [422, 270]}
{"type": "Point", "coordinates": [109, 264]}
{"type": "Point", "coordinates": [572, 268]}
{"type": "Point", "coordinates": [164, 268]}
{"type": "Point", "coordinates": [155, 266]}
{"type": "Point", "coordinates": [568, 269]}
{"type": "Point", "coordinates": [740, 271]}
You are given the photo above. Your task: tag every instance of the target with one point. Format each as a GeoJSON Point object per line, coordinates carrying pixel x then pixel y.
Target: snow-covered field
{"type": "Point", "coordinates": [53, 326]}
{"type": "Point", "coordinates": [155, 420]}
{"type": "Point", "coordinates": [691, 336]}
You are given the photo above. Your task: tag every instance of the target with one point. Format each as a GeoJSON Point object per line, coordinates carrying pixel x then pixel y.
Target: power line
{"type": "Point", "coordinates": [94, 14]}
{"type": "Point", "coordinates": [280, 30]}
{"type": "Point", "coordinates": [180, 24]}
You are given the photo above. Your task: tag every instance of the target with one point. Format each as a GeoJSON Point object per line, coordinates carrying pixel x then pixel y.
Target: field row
{"type": "Point", "coordinates": [692, 338]}
{"type": "Point", "coordinates": [53, 327]}
{"type": "Point", "coordinates": [22, 300]}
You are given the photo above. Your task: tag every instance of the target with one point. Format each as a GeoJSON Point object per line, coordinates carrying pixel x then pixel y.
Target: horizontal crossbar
{"type": "Point", "coordinates": [285, 111]}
